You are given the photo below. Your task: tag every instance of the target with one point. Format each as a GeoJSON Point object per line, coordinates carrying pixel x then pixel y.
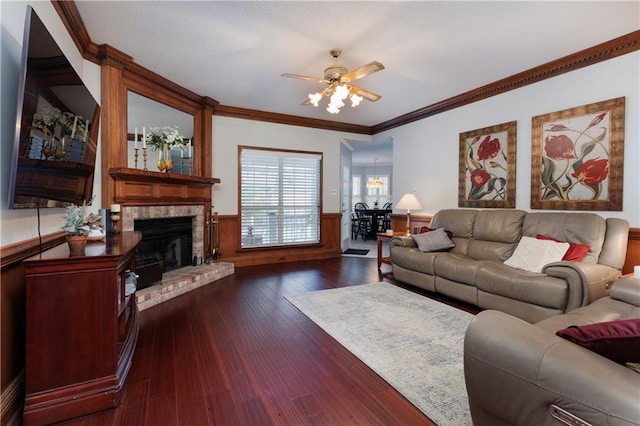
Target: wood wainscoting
{"type": "Point", "coordinates": [230, 251]}
{"type": "Point", "coordinates": [633, 251]}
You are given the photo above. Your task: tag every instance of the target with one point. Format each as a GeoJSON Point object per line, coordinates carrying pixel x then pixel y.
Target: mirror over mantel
{"type": "Point", "coordinates": [145, 114]}
{"type": "Point", "coordinates": [154, 102]}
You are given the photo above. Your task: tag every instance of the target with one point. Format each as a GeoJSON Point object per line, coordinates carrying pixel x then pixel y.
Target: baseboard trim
{"type": "Point", "coordinates": [11, 401]}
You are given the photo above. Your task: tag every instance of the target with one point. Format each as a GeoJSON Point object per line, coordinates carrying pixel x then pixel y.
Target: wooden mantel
{"type": "Point", "coordinates": [137, 187]}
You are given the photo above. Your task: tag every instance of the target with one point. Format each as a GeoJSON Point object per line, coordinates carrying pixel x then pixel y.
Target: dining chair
{"type": "Point", "coordinates": [354, 226]}
{"type": "Point", "coordinates": [386, 220]}
{"type": "Point", "coordinates": [364, 220]}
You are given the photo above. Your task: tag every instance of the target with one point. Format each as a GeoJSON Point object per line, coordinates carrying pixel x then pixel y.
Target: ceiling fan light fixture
{"type": "Point", "coordinates": [355, 100]}
{"type": "Point", "coordinates": [340, 86]}
{"type": "Point", "coordinates": [340, 93]}
{"type": "Point", "coordinates": [314, 98]}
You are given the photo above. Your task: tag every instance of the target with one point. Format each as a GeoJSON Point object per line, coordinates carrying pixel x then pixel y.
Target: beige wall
{"type": "Point", "coordinates": [425, 153]}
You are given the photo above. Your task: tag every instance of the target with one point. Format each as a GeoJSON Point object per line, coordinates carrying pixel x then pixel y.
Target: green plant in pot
{"type": "Point", "coordinates": [75, 220]}
{"type": "Point", "coordinates": [77, 226]}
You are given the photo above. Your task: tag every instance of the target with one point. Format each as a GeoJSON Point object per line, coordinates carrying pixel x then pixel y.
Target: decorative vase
{"type": "Point", "coordinates": [76, 244]}
{"type": "Point", "coordinates": [168, 161]}
{"type": "Point", "coordinates": [160, 163]}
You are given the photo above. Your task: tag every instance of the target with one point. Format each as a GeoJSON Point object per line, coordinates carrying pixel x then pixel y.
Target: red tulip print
{"type": "Point", "coordinates": [486, 161]}
{"type": "Point", "coordinates": [575, 162]}
{"type": "Point", "coordinates": [592, 172]}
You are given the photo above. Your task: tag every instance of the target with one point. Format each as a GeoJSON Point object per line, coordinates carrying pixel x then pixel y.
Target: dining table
{"type": "Point", "coordinates": [377, 215]}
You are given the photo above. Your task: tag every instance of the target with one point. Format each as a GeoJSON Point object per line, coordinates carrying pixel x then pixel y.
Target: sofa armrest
{"type": "Point", "coordinates": [514, 371]}
{"type": "Point", "coordinates": [402, 241]}
{"type": "Point", "coordinates": [587, 281]}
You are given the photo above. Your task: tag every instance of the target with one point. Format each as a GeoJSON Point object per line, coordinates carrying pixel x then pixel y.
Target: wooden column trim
{"type": "Point", "coordinates": [113, 129]}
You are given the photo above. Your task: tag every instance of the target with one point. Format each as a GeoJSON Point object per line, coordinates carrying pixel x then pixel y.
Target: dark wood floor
{"type": "Point", "coordinates": [236, 352]}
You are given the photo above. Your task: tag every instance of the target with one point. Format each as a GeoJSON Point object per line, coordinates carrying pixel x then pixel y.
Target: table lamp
{"type": "Point", "coordinates": [409, 202]}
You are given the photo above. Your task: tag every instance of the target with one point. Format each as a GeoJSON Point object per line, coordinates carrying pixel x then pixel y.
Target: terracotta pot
{"type": "Point", "coordinates": [76, 244]}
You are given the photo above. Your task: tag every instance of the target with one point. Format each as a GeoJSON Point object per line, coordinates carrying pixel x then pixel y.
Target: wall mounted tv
{"type": "Point", "coordinates": [55, 144]}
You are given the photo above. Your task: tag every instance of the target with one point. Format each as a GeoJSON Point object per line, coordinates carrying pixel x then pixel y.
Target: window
{"type": "Point", "coordinates": [279, 197]}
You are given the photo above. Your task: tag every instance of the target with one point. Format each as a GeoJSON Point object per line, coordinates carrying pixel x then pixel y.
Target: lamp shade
{"type": "Point", "coordinates": [409, 202]}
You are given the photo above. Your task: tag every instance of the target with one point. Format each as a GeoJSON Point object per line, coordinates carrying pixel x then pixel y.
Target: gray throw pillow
{"type": "Point", "coordinates": [435, 240]}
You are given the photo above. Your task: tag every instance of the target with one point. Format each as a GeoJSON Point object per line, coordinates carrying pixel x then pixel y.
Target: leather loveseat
{"type": "Point", "coordinates": [518, 373]}
{"type": "Point", "coordinates": [473, 271]}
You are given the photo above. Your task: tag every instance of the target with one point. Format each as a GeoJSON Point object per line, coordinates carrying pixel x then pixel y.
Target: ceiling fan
{"type": "Point", "coordinates": [339, 84]}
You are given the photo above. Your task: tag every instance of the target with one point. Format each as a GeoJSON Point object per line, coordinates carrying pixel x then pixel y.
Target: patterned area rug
{"type": "Point", "coordinates": [411, 341]}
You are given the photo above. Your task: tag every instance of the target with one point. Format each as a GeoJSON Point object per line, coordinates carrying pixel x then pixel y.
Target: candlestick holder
{"type": "Point", "coordinates": [144, 158]}
{"type": "Point", "coordinates": [115, 218]}
{"type": "Point", "coordinates": [190, 165]}
{"type": "Point", "coordinates": [135, 158]}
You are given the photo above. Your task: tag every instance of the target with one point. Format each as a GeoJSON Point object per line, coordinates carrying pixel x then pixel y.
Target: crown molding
{"type": "Point", "coordinates": [99, 54]}
{"type": "Point", "coordinates": [601, 52]}
{"type": "Point", "coordinates": [272, 117]}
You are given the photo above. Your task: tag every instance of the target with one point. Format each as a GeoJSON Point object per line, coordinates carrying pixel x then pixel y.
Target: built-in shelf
{"type": "Point", "coordinates": [145, 187]}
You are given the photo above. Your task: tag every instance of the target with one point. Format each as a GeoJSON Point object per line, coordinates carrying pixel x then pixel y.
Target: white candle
{"type": "Point", "coordinates": [190, 150]}
{"type": "Point", "coordinates": [86, 131]}
{"type": "Point", "coordinates": [115, 208]}
{"type": "Point", "coordinates": [144, 137]}
{"type": "Point", "coordinates": [75, 123]}
{"type": "Point", "coordinates": [135, 139]}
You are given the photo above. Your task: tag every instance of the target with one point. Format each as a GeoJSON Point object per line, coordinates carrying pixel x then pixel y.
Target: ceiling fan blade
{"type": "Point", "coordinates": [363, 71]}
{"type": "Point", "coordinates": [370, 96]}
{"type": "Point", "coordinates": [304, 77]}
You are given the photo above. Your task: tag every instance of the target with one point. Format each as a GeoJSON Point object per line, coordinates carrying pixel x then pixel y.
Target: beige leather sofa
{"type": "Point", "coordinates": [473, 271]}
{"type": "Point", "coordinates": [523, 374]}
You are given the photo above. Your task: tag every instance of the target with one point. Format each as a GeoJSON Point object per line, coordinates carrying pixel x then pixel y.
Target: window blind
{"type": "Point", "coordinates": [279, 197]}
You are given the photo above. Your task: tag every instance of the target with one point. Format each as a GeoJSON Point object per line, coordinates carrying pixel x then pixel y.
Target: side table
{"type": "Point", "coordinates": [383, 236]}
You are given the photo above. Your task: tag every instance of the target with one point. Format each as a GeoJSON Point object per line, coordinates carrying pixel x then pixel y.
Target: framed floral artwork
{"type": "Point", "coordinates": [487, 167]}
{"type": "Point", "coordinates": [577, 158]}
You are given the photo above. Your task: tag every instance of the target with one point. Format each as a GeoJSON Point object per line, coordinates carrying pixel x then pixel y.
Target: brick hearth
{"type": "Point", "coordinates": [179, 281]}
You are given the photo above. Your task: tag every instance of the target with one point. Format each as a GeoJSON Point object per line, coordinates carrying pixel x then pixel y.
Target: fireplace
{"type": "Point", "coordinates": [150, 266]}
{"type": "Point", "coordinates": [168, 240]}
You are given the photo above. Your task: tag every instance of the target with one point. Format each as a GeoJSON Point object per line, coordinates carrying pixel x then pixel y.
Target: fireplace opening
{"type": "Point", "coordinates": [166, 245]}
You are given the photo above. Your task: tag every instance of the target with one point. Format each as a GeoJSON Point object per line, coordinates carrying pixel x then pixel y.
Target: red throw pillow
{"type": "Point", "coordinates": [617, 340]}
{"type": "Point", "coordinates": [427, 229]}
{"type": "Point", "coordinates": [576, 252]}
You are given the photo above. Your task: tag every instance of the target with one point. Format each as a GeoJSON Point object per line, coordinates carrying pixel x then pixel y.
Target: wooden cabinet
{"type": "Point", "coordinates": [81, 329]}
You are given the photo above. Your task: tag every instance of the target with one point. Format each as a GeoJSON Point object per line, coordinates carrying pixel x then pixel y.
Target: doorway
{"type": "Point", "coordinates": [365, 159]}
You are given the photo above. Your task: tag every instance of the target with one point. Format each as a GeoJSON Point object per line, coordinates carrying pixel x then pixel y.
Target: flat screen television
{"type": "Point", "coordinates": [55, 143]}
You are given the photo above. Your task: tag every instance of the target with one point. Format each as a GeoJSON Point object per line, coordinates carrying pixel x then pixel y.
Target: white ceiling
{"type": "Point", "coordinates": [235, 51]}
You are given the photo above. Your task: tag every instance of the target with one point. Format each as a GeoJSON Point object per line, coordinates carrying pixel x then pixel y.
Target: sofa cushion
{"type": "Point", "coordinates": [495, 234]}
{"type": "Point", "coordinates": [627, 289]}
{"type": "Point", "coordinates": [413, 259]}
{"type": "Point", "coordinates": [575, 253]}
{"type": "Point", "coordinates": [617, 340]}
{"type": "Point", "coordinates": [458, 221]}
{"type": "Point", "coordinates": [579, 228]}
{"type": "Point", "coordinates": [435, 240]}
{"type": "Point", "coordinates": [532, 254]}
{"type": "Point", "coordinates": [504, 226]}
{"type": "Point", "coordinates": [456, 267]}
{"type": "Point", "coordinates": [529, 287]}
